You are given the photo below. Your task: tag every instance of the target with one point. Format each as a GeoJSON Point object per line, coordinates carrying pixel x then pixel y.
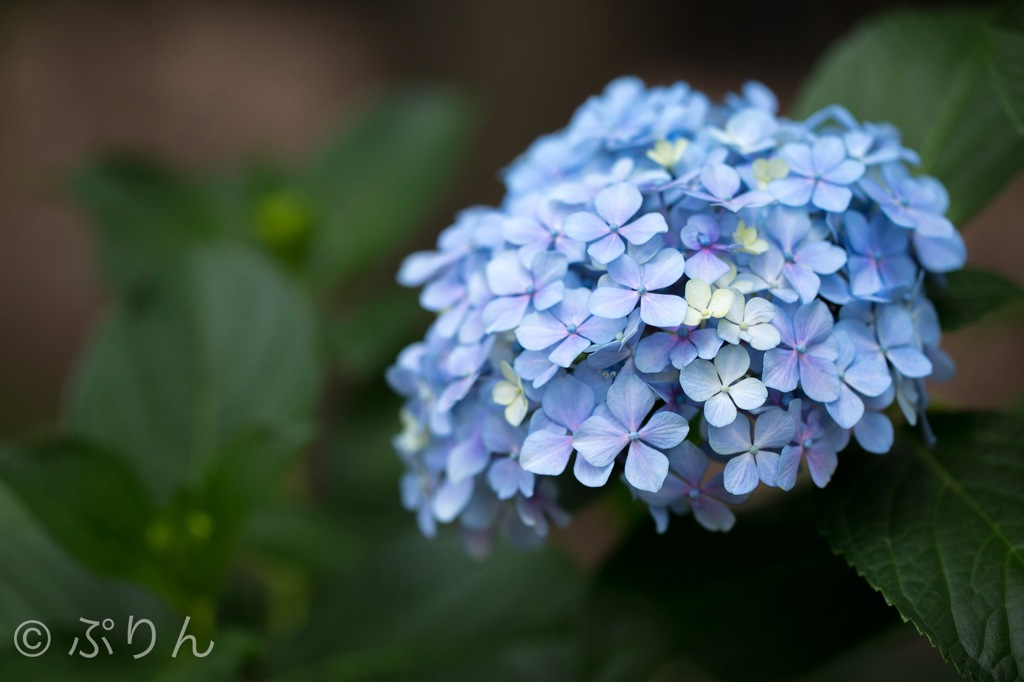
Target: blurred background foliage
{"type": "Point", "coordinates": [222, 447]}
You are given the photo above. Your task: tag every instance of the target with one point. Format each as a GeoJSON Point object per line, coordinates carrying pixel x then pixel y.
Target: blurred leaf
{"type": "Point", "coordinates": [146, 217]}
{"type": "Point", "coordinates": [940, 534]}
{"type": "Point", "coordinates": [925, 71]}
{"type": "Point", "coordinates": [970, 295]}
{"type": "Point", "coordinates": [1006, 39]}
{"type": "Point", "coordinates": [367, 339]}
{"type": "Point", "coordinates": [377, 182]}
{"type": "Point", "coordinates": [305, 537]}
{"type": "Point", "coordinates": [767, 601]}
{"type": "Point", "coordinates": [39, 581]}
{"type": "Point", "coordinates": [223, 346]}
{"type": "Point", "coordinates": [88, 500]}
{"type": "Point", "coordinates": [422, 610]}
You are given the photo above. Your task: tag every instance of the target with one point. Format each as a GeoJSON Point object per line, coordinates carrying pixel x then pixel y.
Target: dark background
{"type": "Point", "coordinates": [202, 84]}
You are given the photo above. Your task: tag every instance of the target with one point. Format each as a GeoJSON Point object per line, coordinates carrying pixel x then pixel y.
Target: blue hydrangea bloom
{"type": "Point", "coordinates": [690, 298]}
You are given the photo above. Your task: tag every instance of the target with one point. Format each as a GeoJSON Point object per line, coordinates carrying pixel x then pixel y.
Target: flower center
{"type": "Point", "coordinates": [634, 436]}
{"type": "Point", "coordinates": [743, 326]}
{"type": "Point", "coordinates": [571, 329]}
{"type": "Point", "coordinates": [703, 240]}
{"type": "Point", "coordinates": [801, 348]}
{"type": "Point", "coordinates": [753, 449]}
{"type": "Point", "coordinates": [641, 290]}
{"type": "Point", "coordinates": [613, 228]}
{"type": "Point", "coordinates": [808, 443]}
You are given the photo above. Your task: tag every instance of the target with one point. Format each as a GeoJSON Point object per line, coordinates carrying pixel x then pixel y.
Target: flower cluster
{"type": "Point", "coordinates": [671, 284]}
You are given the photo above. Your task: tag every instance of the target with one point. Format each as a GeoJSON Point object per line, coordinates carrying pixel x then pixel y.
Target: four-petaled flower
{"type": "Point", "coordinates": [750, 321]}
{"type": "Point", "coordinates": [806, 354]}
{"type": "Point", "coordinates": [879, 261]}
{"type": "Point", "coordinates": [823, 171]}
{"type": "Point", "coordinates": [704, 259]}
{"type": "Point", "coordinates": [721, 386]}
{"type": "Point", "coordinates": [702, 305]}
{"type": "Point", "coordinates": [568, 324]}
{"type": "Point", "coordinates": [516, 287]}
{"type": "Point", "coordinates": [773, 428]}
{"type": "Point", "coordinates": [686, 490]}
{"type": "Point", "coordinates": [602, 437]}
{"type": "Point", "coordinates": [633, 282]}
{"type": "Point", "coordinates": [721, 188]}
{"type": "Point", "coordinates": [615, 206]}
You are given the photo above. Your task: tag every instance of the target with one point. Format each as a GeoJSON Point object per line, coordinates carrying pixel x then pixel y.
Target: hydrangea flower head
{"type": "Point", "coordinates": [670, 286]}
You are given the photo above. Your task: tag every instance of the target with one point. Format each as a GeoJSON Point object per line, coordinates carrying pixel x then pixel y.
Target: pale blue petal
{"type": "Point", "coordinates": [719, 410]}
{"type": "Point", "coordinates": [773, 428]}
{"type": "Point", "coordinates": [606, 250]}
{"type": "Point", "coordinates": [812, 323]}
{"type": "Point", "coordinates": [618, 203]}
{"type": "Point", "coordinates": [730, 439]}
{"type": "Point", "coordinates": [910, 362]}
{"type": "Point", "coordinates": [748, 394]}
{"type": "Point", "coordinates": [538, 331]}
{"type": "Point", "coordinates": [568, 401]}
{"type": "Point", "coordinates": [600, 440]}
{"type": "Point", "coordinates": [792, 191]}
{"type": "Point", "coordinates": [630, 400]}
{"type": "Point", "coordinates": [848, 409]}
{"type": "Point", "coordinates": [641, 230]}
{"type": "Point", "coordinates": [821, 462]}
{"type": "Point", "coordinates": [451, 498]}
{"type": "Point", "coordinates": [665, 430]}
{"type": "Point", "coordinates": [590, 475]}
{"type": "Point", "coordinates": [652, 353]}
{"type": "Point", "coordinates": [662, 310]}
{"type": "Point", "coordinates": [584, 227]}
{"type": "Point", "coordinates": [874, 433]}
{"type": "Point", "coordinates": [731, 363]}
{"type": "Point", "coordinates": [646, 468]}
{"type": "Point", "coordinates": [712, 514]}
{"type": "Point", "coordinates": [567, 351]}
{"type": "Point", "coordinates": [832, 198]}
{"type": "Point", "coordinates": [789, 467]}
{"type": "Point", "coordinates": [663, 270]}
{"type": "Point", "coordinates": [612, 302]}
{"type": "Point", "coordinates": [506, 276]}
{"type": "Point", "coordinates": [546, 452]}
{"type": "Point", "coordinates": [601, 329]}
{"type": "Point", "coordinates": [505, 313]}
{"type": "Point", "coordinates": [767, 467]}
{"type": "Point", "coordinates": [740, 475]}
{"type": "Point", "coordinates": [821, 257]}
{"type": "Point", "coordinates": [700, 380]}
{"type": "Point", "coordinates": [781, 370]}
{"type": "Point", "coordinates": [819, 378]}
{"type": "Point", "coordinates": [626, 271]}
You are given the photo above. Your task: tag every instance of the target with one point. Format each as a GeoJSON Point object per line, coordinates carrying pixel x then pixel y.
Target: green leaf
{"type": "Point", "coordinates": [941, 534]}
{"type": "Point", "coordinates": [146, 217]}
{"type": "Point", "coordinates": [971, 295]}
{"type": "Point", "coordinates": [223, 346]}
{"type": "Point", "coordinates": [926, 72]}
{"type": "Point", "coordinates": [428, 612]}
{"type": "Point", "coordinates": [87, 499]}
{"type": "Point", "coordinates": [749, 604]}
{"type": "Point", "coordinates": [375, 184]}
{"type": "Point", "coordinates": [367, 339]}
{"type": "Point", "coordinates": [1006, 40]}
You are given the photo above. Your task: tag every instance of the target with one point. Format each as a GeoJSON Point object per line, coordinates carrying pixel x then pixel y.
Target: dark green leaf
{"type": "Point", "coordinates": [87, 499]}
{"type": "Point", "coordinates": [1006, 39]}
{"type": "Point", "coordinates": [970, 295]}
{"type": "Point", "coordinates": [377, 183]}
{"type": "Point", "coordinates": [941, 534]}
{"type": "Point", "coordinates": [225, 345]}
{"type": "Point", "coordinates": [146, 217]}
{"type": "Point", "coordinates": [926, 71]}
{"type": "Point", "coordinates": [367, 339]}
{"type": "Point", "coordinates": [421, 610]}
{"type": "Point", "coordinates": [767, 601]}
